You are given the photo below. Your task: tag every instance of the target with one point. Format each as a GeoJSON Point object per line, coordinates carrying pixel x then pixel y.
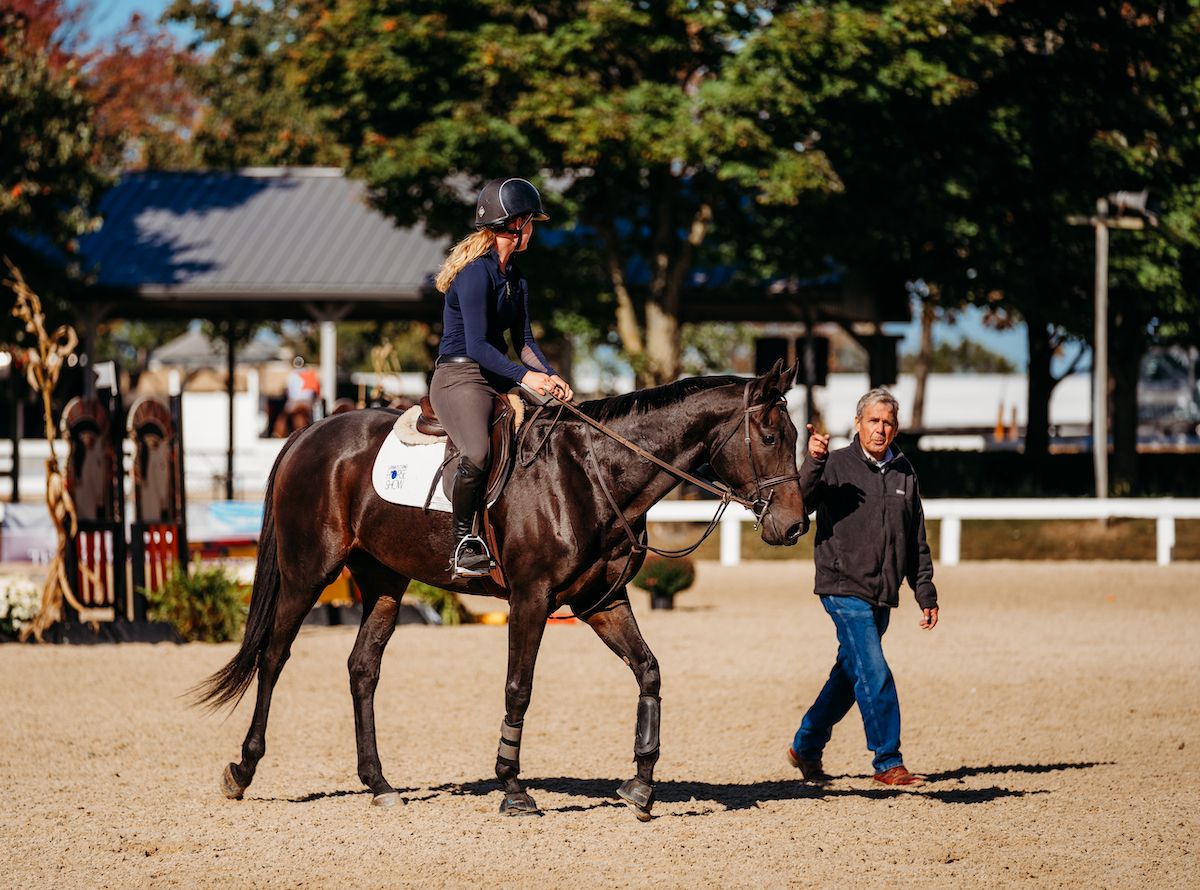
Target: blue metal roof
{"type": "Point", "coordinates": [261, 233]}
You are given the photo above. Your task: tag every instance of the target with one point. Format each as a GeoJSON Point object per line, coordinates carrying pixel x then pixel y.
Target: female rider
{"type": "Point", "coordinates": [486, 294]}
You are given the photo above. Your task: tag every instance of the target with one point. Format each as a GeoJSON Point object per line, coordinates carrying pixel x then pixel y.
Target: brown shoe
{"type": "Point", "coordinates": [898, 775]}
{"type": "Point", "coordinates": [810, 769]}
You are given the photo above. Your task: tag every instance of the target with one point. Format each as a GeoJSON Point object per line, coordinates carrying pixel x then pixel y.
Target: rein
{"type": "Point", "coordinates": [722, 491]}
{"type": "Point", "coordinates": [639, 543]}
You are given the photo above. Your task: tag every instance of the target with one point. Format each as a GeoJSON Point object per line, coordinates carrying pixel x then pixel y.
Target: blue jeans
{"type": "Point", "coordinates": [861, 674]}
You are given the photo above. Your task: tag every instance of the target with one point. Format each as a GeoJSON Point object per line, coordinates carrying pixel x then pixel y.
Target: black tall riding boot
{"type": "Point", "coordinates": [470, 553]}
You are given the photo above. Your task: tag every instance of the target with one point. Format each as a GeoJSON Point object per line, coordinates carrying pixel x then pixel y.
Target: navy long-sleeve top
{"type": "Point", "coordinates": [482, 303]}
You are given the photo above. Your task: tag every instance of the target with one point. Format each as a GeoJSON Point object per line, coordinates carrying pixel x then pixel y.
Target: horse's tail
{"type": "Point", "coordinates": [229, 684]}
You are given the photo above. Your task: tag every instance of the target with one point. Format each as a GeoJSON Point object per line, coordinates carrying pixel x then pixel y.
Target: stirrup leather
{"type": "Point", "coordinates": [456, 568]}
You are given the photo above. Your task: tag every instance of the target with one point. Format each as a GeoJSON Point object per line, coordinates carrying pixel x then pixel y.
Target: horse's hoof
{"type": "Point", "coordinates": [640, 797]}
{"type": "Point", "coordinates": [519, 804]}
{"type": "Point", "coordinates": [387, 799]}
{"type": "Point", "coordinates": [229, 786]}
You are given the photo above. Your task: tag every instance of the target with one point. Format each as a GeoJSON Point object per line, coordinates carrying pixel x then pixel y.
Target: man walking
{"type": "Point", "coordinates": [870, 537]}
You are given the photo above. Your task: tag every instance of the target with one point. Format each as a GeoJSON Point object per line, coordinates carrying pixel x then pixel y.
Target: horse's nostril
{"type": "Point", "coordinates": [794, 532]}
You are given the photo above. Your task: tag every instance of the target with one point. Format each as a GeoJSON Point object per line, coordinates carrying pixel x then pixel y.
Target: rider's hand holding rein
{"type": "Point", "coordinates": [548, 385]}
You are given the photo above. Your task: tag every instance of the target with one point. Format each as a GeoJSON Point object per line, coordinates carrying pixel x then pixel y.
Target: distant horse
{"type": "Point", "coordinates": [560, 540]}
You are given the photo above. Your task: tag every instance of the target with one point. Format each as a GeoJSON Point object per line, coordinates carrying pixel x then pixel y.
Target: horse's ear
{"type": "Point", "coordinates": [772, 380]}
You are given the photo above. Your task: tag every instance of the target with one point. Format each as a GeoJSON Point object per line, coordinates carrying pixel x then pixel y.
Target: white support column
{"type": "Point", "coordinates": [328, 363]}
{"type": "Point", "coordinates": [1164, 527]}
{"type": "Point", "coordinates": [327, 315]}
{"type": "Point", "coordinates": [951, 538]}
{"type": "Point", "coordinates": [731, 539]}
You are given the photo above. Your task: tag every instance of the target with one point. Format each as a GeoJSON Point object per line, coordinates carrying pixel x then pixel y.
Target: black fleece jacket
{"type": "Point", "coordinates": [870, 527]}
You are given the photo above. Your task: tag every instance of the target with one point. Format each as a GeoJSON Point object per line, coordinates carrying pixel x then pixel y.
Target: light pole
{"type": "Point", "coordinates": [1102, 222]}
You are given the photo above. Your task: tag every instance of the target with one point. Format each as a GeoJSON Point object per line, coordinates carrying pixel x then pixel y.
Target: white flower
{"type": "Point", "coordinates": [20, 599]}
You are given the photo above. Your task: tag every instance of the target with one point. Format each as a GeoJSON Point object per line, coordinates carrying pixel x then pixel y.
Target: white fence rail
{"type": "Point", "coordinates": [952, 512]}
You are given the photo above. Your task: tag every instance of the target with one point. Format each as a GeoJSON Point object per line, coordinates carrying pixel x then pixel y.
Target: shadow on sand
{"type": "Point", "coordinates": [739, 796]}
{"type": "Point", "coordinates": [599, 793]}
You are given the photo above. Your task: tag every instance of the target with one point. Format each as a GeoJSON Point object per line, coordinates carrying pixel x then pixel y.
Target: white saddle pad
{"type": "Point", "coordinates": [403, 473]}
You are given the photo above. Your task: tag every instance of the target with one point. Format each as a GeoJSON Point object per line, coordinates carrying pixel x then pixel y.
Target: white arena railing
{"type": "Point", "coordinates": [952, 512]}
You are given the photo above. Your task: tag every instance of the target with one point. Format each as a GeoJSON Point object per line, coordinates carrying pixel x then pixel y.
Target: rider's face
{"type": "Point", "coordinates": [527, 233]}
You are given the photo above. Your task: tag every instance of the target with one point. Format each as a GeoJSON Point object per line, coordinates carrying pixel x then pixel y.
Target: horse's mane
{"type": "Point", "coordinates": [643, 401]}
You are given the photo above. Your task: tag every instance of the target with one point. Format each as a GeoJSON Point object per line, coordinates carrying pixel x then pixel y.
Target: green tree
{"type": "Point", "coordinates": [964, 134]}
{"type": "Point", "coordinates": [48, 182]}
{"type": "Point", "coordinates": [624, 111]}
{"type": "Point", "coordinates": [1076, 101]}
{"type": "Point", "coordinates": [248, 73]}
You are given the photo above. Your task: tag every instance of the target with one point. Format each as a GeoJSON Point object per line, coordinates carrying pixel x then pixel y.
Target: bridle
{"type": "Point", "coordinates": [757, 503]}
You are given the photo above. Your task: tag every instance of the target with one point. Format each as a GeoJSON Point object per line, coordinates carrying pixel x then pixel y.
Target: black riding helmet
{"type": "Point", "coordinates": [502, 200]}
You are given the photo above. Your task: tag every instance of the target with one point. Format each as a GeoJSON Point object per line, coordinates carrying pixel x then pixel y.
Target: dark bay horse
{"type": "Point", "coordinates": [560, 542]}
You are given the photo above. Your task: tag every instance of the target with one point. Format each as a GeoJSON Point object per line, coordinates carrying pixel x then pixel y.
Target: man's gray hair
{"type": "Point", "coordinates": [875, 397]}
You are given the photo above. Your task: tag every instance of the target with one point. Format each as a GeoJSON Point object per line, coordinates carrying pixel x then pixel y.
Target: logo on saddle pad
{"type": "Point", "coordinates": [396, 474]}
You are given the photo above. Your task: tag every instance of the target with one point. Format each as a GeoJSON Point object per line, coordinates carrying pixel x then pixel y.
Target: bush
{"type": "Point", "coordinates": [204, 605]}
{"type": "Point", "coordinates": [666, 577]}
{"type": "Point", "coordinates": [447, 603]}
{"type": "Point", "coordinates": [20, 599]}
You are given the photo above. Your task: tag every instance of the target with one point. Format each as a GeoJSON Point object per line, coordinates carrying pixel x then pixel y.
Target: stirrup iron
{"type": "Point", "coordinates": [458, 571]}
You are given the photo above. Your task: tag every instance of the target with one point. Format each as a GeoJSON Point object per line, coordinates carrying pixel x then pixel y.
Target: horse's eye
{"type": "Point", "coordinates": [768, 438]}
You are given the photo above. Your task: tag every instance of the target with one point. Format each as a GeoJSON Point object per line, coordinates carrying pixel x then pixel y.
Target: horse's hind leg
{"type": "Point", "coordinates": [381, 591]}
{"type": "Point", "coordinates": [288, 618]}
{"type": "Point", "coordinates": [616, 626]}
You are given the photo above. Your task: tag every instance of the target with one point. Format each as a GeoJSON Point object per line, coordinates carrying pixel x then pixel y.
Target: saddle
{"type": "Point", "coordinates": [508, 411]}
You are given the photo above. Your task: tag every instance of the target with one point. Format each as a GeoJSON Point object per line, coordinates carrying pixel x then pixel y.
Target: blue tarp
{"type": "Point", "coordinates": [224, 520]}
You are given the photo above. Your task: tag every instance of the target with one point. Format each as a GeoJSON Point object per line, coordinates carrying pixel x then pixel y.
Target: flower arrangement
{"type": "Point", "coordinates": [20, 599]}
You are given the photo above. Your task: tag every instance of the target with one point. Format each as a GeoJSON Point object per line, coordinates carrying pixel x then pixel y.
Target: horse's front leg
{"type": "Point", "coordinates": [616, 626]}
{"type": "Point", "coordinates": [526, 624]}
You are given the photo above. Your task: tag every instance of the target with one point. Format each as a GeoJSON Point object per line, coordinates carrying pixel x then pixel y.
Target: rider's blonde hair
{"type": "Point", "coordinates": [465, 251]}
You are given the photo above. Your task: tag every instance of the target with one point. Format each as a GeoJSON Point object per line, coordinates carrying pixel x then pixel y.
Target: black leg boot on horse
{"type": "Point", "coordinates": [471, 558]}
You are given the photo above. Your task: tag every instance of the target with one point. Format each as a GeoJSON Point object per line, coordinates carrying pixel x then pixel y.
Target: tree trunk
{"type": "Point", "coordinates": [1125, 360]}
{"type": "Point", "coordinates": [662, 345]}
{"type": "Point", "coordinates": [1040, 383]}
{"type": "Point", "coordinates": [923, 364]}
{"type": "Point", "coordinates": [628, 328]}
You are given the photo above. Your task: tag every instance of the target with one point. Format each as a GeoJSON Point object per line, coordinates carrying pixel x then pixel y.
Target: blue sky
{"type": "Point", "coordinates": [109, 16]}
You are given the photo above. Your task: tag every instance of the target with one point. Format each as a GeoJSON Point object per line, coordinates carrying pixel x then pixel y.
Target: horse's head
{"type": "Point", "coordinates": [756, 457]}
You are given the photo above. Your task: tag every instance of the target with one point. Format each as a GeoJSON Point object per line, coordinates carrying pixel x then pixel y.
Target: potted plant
{"type": "Point", "coordinates": [662, 578]}
{"type": "Point", "coordinates": [205, 604]}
